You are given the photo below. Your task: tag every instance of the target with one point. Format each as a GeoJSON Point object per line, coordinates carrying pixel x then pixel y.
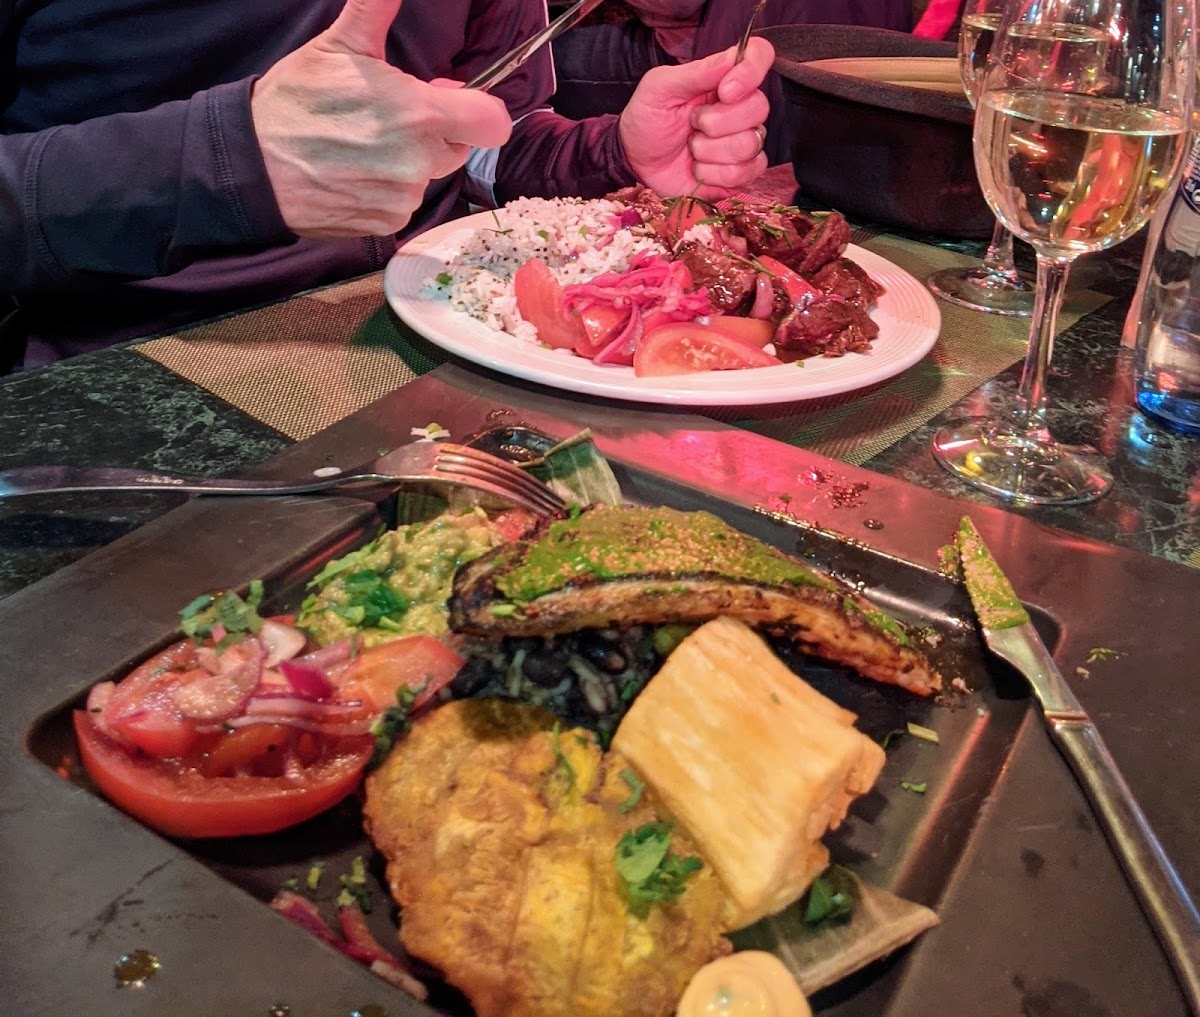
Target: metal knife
{"type": "Point", "coordinates": [515, 57]}
{"type": "Point", "coordinates": [1010, 635]}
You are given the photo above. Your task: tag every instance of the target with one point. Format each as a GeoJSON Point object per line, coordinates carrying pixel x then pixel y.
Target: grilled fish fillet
{"type": "Point", "coordinates": [628, 566]}
{"type": "Point", "coordinates": [500, 836]}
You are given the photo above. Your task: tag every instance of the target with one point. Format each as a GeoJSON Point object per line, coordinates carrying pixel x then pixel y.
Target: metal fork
{"type": "Point", "coordinates": [420, 462]}
{"type": "Point", "coordinates": [744, 41]}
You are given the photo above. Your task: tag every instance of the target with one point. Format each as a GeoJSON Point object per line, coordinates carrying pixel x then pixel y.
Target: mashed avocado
{"type": "Point", "coordinates": [396, 585]}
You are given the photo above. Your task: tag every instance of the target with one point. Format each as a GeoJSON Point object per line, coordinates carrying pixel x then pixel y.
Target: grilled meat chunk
{"type": "Point", "coordinates": [500, 835]}
{"type": "Point", "coordinates": [843, 278]}
{"type": "Point", "coordinates": [626, 566]}
{"type": "Point", "coordinates": [825, 327]}
{"type": "Point", "coordinates": [730, 280]}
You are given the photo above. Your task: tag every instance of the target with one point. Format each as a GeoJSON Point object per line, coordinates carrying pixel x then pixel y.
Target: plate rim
{"type": "Point", "coordinates": [707, 389]}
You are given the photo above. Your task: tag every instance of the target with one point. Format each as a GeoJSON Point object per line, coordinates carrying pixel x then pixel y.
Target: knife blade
{"type": "Point", "coordinates": [515, 57]}
{"type": "Point", "coordinates": [1009, 634]}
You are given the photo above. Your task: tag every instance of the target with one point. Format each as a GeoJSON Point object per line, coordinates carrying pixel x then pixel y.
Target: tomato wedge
{"type": "Point", "coordinates": [755, 331]}
{"type": "Point", "coordinates": [179, 801]}
{"type": "Point", "coordinates": [794, 284]}
{"type": "Point", "coordinates": [687, 347]}
{"type": "Point", "coordinates": [540, 301]}
{"type": "Point", "coordinates": [414, 662]}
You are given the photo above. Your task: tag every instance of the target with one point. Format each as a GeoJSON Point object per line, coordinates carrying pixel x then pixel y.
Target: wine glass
{"type": "Point", "coordinates": [1079, 132]}
{"type": "Point", "coordinates": [993, 285]}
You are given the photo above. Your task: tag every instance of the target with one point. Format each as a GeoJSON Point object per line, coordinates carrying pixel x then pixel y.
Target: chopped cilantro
{"type": "Point", "coordinates": [887, 738]}
{"type": "Point", "coordinates": [1102, 653]}
{"type": "Point", "coordinates": [650, 872]}
{"type": "Point", "coordinates": [636, 786]}
{"type": "Point", "coordinates": [291, 883]}
{"type": "Point", "coordinates": [916, 788]}
{"type": "Point", "coordinates": [560, 760]}
{"type": "Point", "coordinates": [544, 234]}
{"type": "Point", "coordinates": [227, 610]}
{"type": "Point", "coordinates": [313, 879]}
{"type": "Point", "coordinates": [830, 898]}
{"type": "Point", "coordinates": [354, 892]}
{"type": "Point", "coordinates": [370, 601]}
{"type": "Point", "coordinates": [444, 278]}
{"type": "Point", "coordinates": [390, 724]}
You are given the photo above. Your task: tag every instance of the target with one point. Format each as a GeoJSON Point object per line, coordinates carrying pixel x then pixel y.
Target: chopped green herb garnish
{"type": "Point", "coordinates": [915, 788]}
{"type": "Point", "coordinates": [390, 724]}
{"type": "Point", "coordinates": [830, 898]}
{"type": "Point", "coordinates": [236, 616]}
{"type": "Point", "coordinates": [887, 738]}
{"type": "Point", "coordinates": [561, 761]}
{"type": "Point", "coordinates": [503, 610]}
{"type": "Point", "coordinates": [924, 733]}
{"type": "Point", "coordinates": [444, 278]}
{"type": "Point", "coordinates": [354, 892]}
{"type": "Point", "coordinates": [636, 786]}
{"type": "Point", "coordinates": [313, 879]}
{"type": "Point", "coordinates": [1102, 653]}
{"type": "Point", "coordinates": [291, 883]}
{"type": "Point", "coordinates": [650, 872]}
{"type": "Point", "coordinates": [544, 234]}
{"type": "Point", "coordinates": [369, 600]}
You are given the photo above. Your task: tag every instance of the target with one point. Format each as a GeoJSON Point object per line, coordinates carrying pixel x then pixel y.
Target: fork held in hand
{"type": "Point", "coordinates": [420, 462]}
{"type": "Point", "coordinates": [744, 41]}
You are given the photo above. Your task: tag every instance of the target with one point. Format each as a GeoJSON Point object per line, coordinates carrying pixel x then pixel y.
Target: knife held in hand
{"type": "Point", "coordinates": [1010, 635]}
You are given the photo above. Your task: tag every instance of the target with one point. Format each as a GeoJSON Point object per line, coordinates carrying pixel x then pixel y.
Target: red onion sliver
{"type": "Point", "coordinates": [392, 973]}
{"type": "Point", "coordinates": [327, 656]}
{"type": "Point", "coordinates": [306, 679]}
{"type": "Point", "coordinates": [764, 297]}
{"type": "Point", "coordinates": [283, 642]}
{"type": "Point", "coordinates": [223, 695]}
{"type": "Point", "coordinates": [99, 695]}
{"type": "Point", "coordinates": [329, 728]}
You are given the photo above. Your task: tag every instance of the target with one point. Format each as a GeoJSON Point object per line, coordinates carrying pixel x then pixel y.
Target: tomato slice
{"type": "Point", "coordinates": [755, 331]}
{"type": "Point", "coordinates": [540, 301]}
{"type": "Point", "coordinates": [602, 323]}
{"type": "Point", "coordinates": [179, 801]}
{"type": "Point", "coordinates": [414, 662]}
{"type": "Point", "coordinates": [682, 215]}
{"type": "Point", "coordinates": [142, 710]}
{"type": "Point", "coordinates": [686, 347]}
{"type": "Point", "coordinates": [794, 284]}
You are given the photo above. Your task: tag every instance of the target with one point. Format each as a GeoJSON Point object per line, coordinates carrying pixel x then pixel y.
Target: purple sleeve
{"type": "Point", "coordinates": [135, 194]}
{"type": "Point", "coordinates": [549, 156]}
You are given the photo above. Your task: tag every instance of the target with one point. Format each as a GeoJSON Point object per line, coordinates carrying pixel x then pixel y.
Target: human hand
{"type": "Point", "coordinates": [350, 142]}
{"type": "Point", "coordinates": [697, 128]}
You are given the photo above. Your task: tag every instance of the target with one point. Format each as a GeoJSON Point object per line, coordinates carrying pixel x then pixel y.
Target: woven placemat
{"type": "Point", "coordinates": [302, 365]}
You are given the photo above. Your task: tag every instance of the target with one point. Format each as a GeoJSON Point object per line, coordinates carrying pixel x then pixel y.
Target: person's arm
{"type": "Point", "coordinates": [135, 194]}
{"type": "Point", "coordinates": [690, 129]}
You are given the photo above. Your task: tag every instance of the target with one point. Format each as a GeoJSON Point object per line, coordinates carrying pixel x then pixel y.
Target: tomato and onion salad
{"type": "Point", "coordinates": [247, 734]}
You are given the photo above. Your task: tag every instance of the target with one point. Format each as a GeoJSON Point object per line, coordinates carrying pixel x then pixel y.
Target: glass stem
{"type": "Point", "coordinates": [1029, 414]}
{"type": "Point", "coordinates": [999, 257]}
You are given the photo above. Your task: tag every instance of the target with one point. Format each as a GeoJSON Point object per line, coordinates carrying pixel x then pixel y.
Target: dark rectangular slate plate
{"type": "Point", "coordinates": [1036, 917]}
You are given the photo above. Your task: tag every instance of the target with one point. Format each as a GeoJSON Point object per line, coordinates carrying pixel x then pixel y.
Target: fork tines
{"type": "Point", "coordinates": [506, 478]}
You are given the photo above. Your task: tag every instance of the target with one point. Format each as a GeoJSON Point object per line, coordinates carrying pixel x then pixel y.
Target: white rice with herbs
{"type": "Point", "coordinates": [579, 239]}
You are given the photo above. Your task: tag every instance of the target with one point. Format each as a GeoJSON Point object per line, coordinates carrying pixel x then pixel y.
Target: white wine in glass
{"type": "Point", "coordinates": [1079, 133]}
{"type": "Point", "coordinates": [994, 285]}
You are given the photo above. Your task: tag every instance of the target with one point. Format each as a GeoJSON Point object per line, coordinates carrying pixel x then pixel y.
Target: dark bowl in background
{"type": "Point", "coordinates": [888, 153]}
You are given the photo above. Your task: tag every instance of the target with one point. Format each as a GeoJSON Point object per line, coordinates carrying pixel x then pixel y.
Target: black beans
{"type": "Point", "coordinates": [472, 677]}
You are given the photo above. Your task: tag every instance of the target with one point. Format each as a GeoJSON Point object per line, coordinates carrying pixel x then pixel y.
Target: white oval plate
{"type": "Point", "coordinates": [907, 314]}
